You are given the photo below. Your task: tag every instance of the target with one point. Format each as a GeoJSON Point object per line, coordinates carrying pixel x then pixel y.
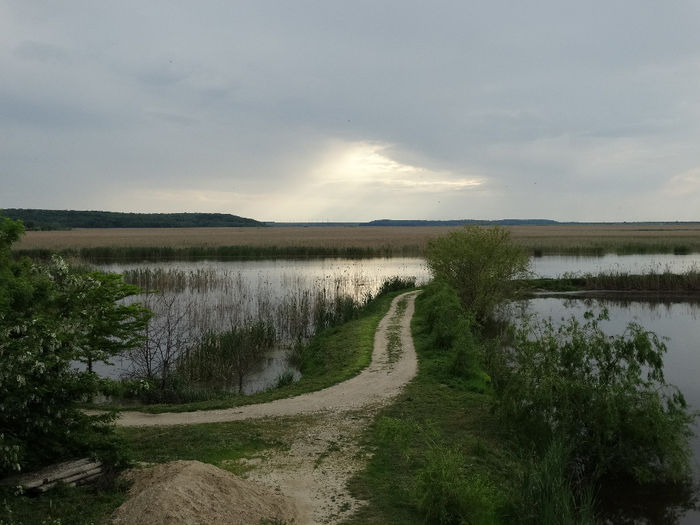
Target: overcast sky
{"type": "Point", "coordinates": [355, 110]}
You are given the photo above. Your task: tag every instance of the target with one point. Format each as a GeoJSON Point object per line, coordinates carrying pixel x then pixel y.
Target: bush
{"type": "Point", "coordinates": [605, 396]}
{"type": "Point", "coordinates": [481, 264]}
{"type": "Point", "coordinates": [49, 318]}
{"type": "Point", "coordinates": [443, 312]}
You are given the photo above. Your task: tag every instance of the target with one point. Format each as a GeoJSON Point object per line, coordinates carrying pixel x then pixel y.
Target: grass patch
{"type": "Point", "coordinates": [393, 348]}
{"type": "Point", "coordinates": [221, 444]}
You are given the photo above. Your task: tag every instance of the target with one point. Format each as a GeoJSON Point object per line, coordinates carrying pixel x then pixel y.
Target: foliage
{"type": "Point", "coordinates": [452, 333]}
{"type": "Point", "coordinates": [605, 396]}
{"type": "Point", "coordinates": [107, 326]}
{"type": "Point", "coordinates": [443, 311]}
{"type": "Point", "coordinates": [481, 264]}
{"type": "Point", "coordinates": [49, 318]}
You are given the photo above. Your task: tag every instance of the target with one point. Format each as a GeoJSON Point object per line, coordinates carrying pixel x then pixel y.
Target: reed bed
{"type": "Point", "coordinates": [346, 241]}
{"type": "Point", "coordinates": [687, 282]}
{"type": "Point", "coordinates": [198, 313]}
{"type": "Point", "coordinates": [653, 281]}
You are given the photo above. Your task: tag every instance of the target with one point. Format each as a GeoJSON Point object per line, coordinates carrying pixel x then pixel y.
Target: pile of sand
{"type": "Point", "coordinates": [192, 492]}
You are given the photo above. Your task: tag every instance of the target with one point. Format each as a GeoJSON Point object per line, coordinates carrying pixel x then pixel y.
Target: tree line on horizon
{"type": "Point", "coordinates": [38, 219]}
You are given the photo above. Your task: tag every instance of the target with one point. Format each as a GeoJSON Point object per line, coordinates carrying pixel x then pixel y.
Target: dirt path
{"type": "Point", "coordinates": [325, 453]}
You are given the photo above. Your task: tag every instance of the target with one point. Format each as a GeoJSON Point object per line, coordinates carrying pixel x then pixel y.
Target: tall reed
{"type": "Point", "coordinates": [200, 312]}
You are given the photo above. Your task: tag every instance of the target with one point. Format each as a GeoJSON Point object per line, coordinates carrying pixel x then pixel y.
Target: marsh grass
{"type": "Point", "coordinates": [187, 347]}
{"type": "Point", "coordinates": [343, 241]}
{"type": "Point", "coordinates": [653, 281]}
{"type": "Point", "coordinates": [547, 495]}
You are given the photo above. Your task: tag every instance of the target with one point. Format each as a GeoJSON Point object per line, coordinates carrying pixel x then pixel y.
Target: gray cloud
{"type": "Point", "coordinates": [249, 107]}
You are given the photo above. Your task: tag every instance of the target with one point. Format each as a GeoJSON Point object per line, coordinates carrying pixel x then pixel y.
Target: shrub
{"type": "Point", "coordinates": [443, 311]}
{"type": "Point", "coordinates": [49, 318]}
{"type": "Point", "coordinates": [605, 396]}
{"type": "Point", "coordinates": [481, 264]}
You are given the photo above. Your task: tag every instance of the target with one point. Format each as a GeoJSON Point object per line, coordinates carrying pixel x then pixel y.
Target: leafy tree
{"type": "Point", "coordinates": [51, 317]}
{"type": "Point", "coordinates": [604, 396]}
{"type": "Point", "coordinates": [480, 264]}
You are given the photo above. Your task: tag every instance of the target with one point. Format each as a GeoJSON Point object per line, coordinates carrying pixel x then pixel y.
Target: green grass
{"type": "Point", "coordinates": [393, 349]}
{"type": "Point", "coordinates": [221, 444]}
{"type": "Point", "coordinates": [334, 355]}
{"type": "Point", "coordinates": [439, 428]}
{"type": "Point", "coordinates": [61, 506]}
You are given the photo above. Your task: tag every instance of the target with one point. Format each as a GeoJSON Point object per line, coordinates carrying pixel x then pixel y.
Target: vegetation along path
{"type": "Point", "coordinates": [323, 453]}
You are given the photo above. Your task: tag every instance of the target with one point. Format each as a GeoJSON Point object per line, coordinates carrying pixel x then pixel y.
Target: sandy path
{"type": "Point", "coordinates": [324, 451]}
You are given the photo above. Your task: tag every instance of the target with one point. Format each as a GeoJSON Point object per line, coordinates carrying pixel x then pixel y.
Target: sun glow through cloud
{"type": "Point", "coordinates": [368, 164]}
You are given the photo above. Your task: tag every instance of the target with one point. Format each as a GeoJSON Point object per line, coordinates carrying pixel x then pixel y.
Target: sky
{"type": "Point", "coordinates": [352, 111]}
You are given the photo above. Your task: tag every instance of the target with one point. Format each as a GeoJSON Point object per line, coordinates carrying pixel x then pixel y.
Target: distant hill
{"type": "Point", "coordinates": [417, 222]}
{"type": "Point", "coordinates": [500, 222]}
{"type": "Point", "coordinates": [476, 222]}
{"type": "Point", "coordinates": [66, 219]}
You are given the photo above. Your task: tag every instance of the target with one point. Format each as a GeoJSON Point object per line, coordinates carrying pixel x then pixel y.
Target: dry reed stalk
{"type": "Point", "coordinates": [395, 237]}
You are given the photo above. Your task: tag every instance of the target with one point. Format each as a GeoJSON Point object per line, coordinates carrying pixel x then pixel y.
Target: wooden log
{"type": "Point", "coordinates": [76, 479]}
{"type": "Point", "coordinates": [67, 472]}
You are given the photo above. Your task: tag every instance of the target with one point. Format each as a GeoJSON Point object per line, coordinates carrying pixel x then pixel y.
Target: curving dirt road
{"type": "Point", "coordinates": [325, 453]}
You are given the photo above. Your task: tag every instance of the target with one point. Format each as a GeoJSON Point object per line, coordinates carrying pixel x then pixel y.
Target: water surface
{"type": "Point", "coordinates": [558, 265]}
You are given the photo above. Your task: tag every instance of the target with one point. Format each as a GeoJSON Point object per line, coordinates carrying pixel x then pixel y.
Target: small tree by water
{"type": "Point", "coordinates": [51, 316]}
{"type": "Point", "coordinates": [480, 264]}
{"type": "Point", "coordinates": [604, 396]}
